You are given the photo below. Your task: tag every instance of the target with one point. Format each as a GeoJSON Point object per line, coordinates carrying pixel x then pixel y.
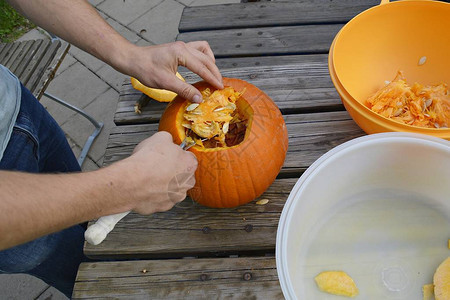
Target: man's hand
{"type": "Point", "coordinates": [155, 66]}
{"type": "Point", "coordinates": [159, 173]}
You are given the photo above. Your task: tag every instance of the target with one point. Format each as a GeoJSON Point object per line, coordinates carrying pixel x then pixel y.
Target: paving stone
{"type": "Point", "coordinates": [143, 42]}
{"type": "Point", "coordinates": [185, 2]}
{"type": "Point", "coordinates": [160, 25]}
{"type": "Point", "coordinates": [89, 165]}
{"type": "Point", "coordinates": [206, 2]}
{"type": "Point", "coordinates": [124, 31]}
{"type": "Point", "coordinates": [52, 294]}
{"type": "Point", "coordinates": [33, 34]}
{"type": "Point", "coordinates": [77, 86]}
{"type": "Point", "coordinates": [96, 2]}
{"type": "Point", "coordinates": [20, 286]}
{"type": "Point", "coordinates": [86, 59]}
{"type": "Point", "coordinates": [126, 11]}
{"type": "Point", "coordinates": [68, 61]}
{"type": "Point", "coordinates": [102, 14]}
{"type": "Point", "coordinates": [112, 77]}
{"type": "Point", "coordinates": [79, 128]}
{"type": "Point", "coordinates": [76, 149]}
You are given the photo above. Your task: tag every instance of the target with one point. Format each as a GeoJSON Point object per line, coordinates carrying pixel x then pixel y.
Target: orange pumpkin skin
{"type": "Point", "coordinates": [228, 177]}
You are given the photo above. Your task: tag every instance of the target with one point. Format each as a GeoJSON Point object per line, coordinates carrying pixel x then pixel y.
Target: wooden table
{"type": "Point", "coordinates": [202, 253]}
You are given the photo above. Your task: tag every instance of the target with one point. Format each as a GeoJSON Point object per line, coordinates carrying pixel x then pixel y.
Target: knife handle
{"type": "Point", "coordinates": [97, 232]}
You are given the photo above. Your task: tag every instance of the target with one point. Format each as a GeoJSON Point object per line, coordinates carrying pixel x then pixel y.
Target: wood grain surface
{"type": "Point", "coordinates": [263, 14]}
{"type": "Point", "coordinates": [213, 278]}
{"type": "Point", "coordinates": [304, 39]}
{"type": "Point", "coordinates": [297, 83]}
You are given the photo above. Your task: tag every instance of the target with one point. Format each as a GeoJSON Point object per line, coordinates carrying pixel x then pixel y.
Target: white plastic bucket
{"type": "Point", "coordinates": [376, 207]}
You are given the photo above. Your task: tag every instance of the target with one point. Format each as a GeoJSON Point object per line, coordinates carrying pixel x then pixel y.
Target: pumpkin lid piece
{"type": "Point", "coordinates": [160, 95]}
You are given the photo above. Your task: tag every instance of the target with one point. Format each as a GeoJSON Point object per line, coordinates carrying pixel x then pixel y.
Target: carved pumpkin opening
{"type": "Point", "coordinates": [221, 121]}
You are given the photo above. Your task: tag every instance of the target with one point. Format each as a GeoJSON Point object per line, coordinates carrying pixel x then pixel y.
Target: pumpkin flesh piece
{"type": "Point", "coordinates": [336, 283]}
{"type": "Point", "coordinates": [441, 280]}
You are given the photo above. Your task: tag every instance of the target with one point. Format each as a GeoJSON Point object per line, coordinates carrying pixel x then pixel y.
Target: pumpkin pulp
{"type": "Point", "coordinates": [216, 125]}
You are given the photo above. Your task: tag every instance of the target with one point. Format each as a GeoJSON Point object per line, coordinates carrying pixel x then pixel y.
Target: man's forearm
{"type": "Point", "coordinates": [34, 205]}
{"type": "Point", "coordinates": [77, 22]}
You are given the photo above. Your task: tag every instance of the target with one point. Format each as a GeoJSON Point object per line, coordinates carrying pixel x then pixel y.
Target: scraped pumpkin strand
{"type": "Point", "coordinates": [417, 105]}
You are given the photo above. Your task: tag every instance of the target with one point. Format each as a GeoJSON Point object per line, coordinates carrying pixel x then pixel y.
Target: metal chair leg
{"type": "Point", "coordinates": [92, 137]}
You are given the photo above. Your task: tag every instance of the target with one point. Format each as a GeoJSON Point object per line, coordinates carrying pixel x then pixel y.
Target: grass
{"type": "Point", "coordinates": [12, 24]}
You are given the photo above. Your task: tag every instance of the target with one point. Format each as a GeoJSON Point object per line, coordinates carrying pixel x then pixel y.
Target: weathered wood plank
{"type": "Point", "coordinates": [38, 74]}
{"type": "Point", "coordinates": [5, 51]}
{"type": "Point", "coordinates": [14, 54]}
{"type": "Point", "coordinates": [310, 134]}
{"type": "Point", "coordinates": [24, 54]}
{"type": "Point", "coordinates": [2, 47]}
{"type": "Point", "coordinates": [267, 40]}
{"type": "Point", "coordinates": [190, 229]}
{"type": "Point", "coordinates": [50, 71]}
{"type": "Point", "coordinates": [217, 278]}
{"type": "Point", "coordinates": [9, 53]}
{"type": "Point", "coordinates": [25, 63]}
{"type": "Point", "coordinates": [296, 83]}
{"type": "Point", "coordinates": [263, 14]}
{"type": "Point", "coordinates": [34, 62]}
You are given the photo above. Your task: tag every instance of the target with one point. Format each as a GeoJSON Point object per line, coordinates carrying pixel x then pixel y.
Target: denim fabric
{"type": "Point", "coordinates": [38, 145]}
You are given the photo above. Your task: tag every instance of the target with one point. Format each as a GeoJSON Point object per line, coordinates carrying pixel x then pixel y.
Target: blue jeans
{"type": "Point", "coordinates": [38, 145]}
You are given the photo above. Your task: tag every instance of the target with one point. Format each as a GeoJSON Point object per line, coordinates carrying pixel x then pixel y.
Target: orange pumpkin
{"type": "Point", "coordinates": [235, 175]}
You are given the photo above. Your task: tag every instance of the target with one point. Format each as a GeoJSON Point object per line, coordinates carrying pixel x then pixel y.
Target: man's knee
{"type": "Point", "coordinates": [25, 257]}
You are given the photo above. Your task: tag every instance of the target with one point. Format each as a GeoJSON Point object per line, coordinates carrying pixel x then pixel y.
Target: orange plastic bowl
{"type": "Point", "coordinates": [382, 40]}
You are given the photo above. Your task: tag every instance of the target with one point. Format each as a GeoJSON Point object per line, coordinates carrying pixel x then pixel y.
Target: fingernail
{"type": "Point", "coordinates": [197, 99]}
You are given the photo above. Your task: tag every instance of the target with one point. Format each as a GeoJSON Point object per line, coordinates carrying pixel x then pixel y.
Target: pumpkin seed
{"type": "Point", "coordinates": [386, 82]}
{"type": "Point", "coordinates": [262, 202]}
{"type": "Point", "coordinates": [422, 60]}
{"type": "Point", "coordinates": [231, 106]}
{"type": "Point", "coordinates": [398, 112]}
{"type": "Point", "coordinates": [192, 106]}
{"type": "Point", "coordinates": [219, 109]}
{"type": "Point", "coordinates": [196, 112]}
{"type": "Point", "coordinates": [225, 127]}
{"type": "Point", "coordinates": [428, 102]}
